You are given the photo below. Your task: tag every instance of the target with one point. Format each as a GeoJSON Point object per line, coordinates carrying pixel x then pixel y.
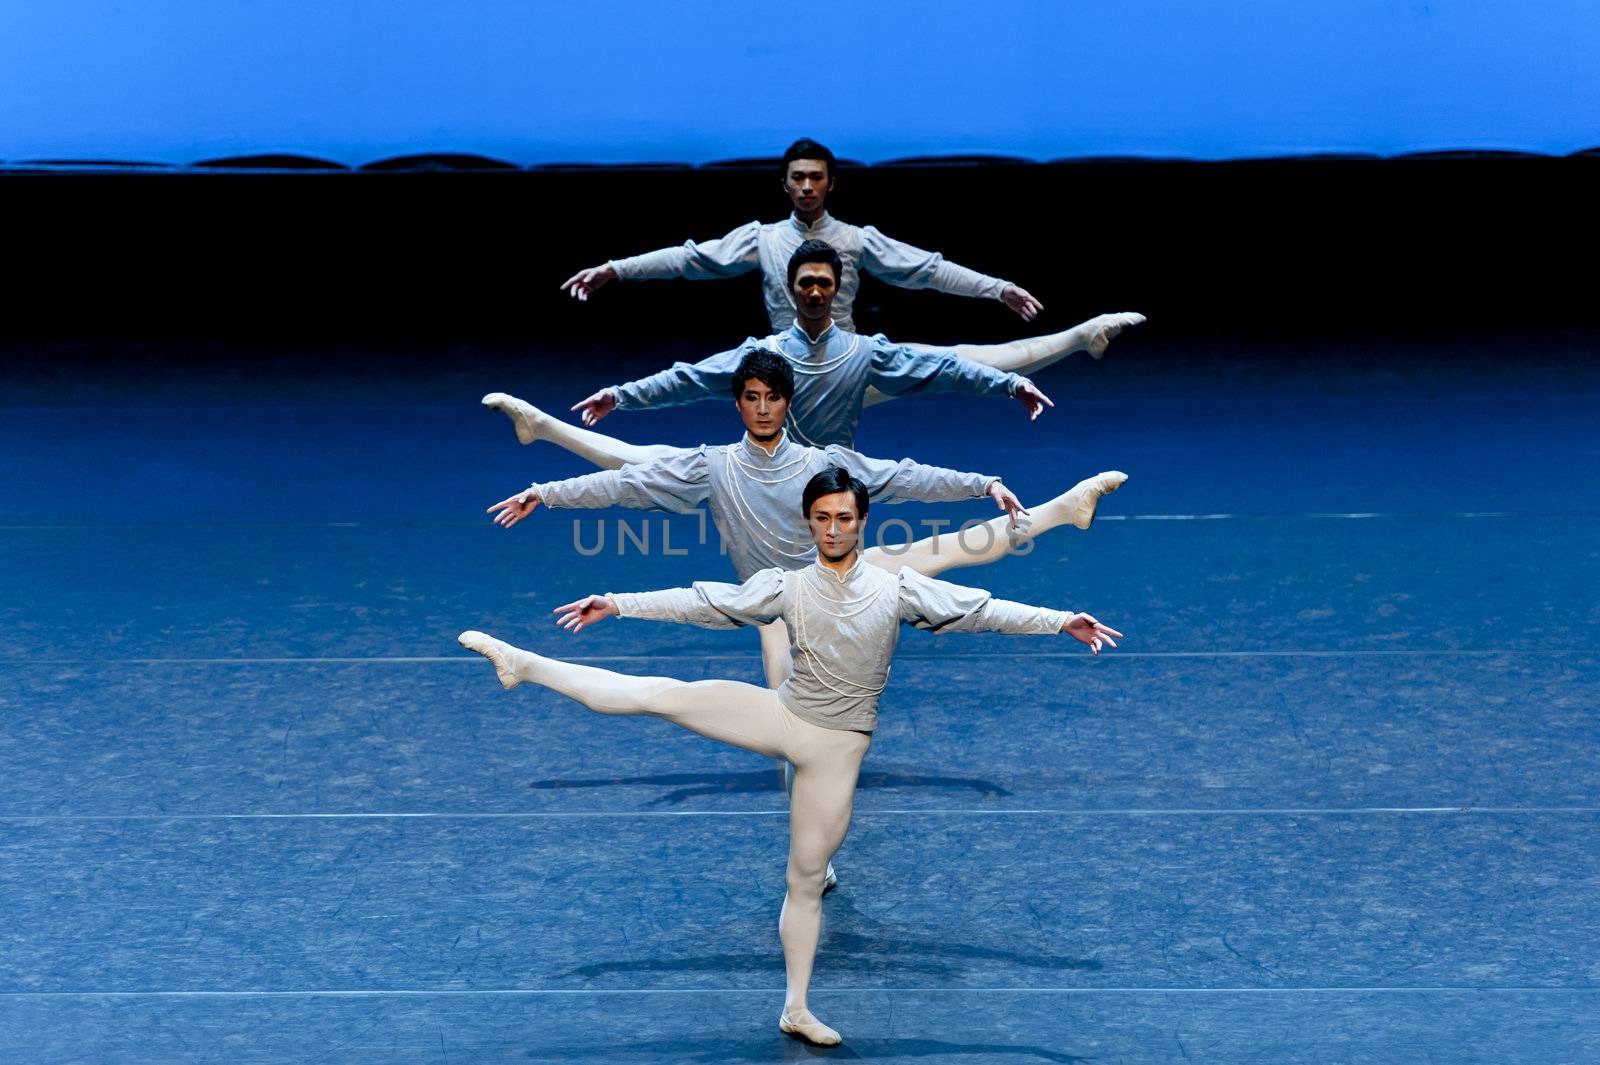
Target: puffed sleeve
{"type": "Point", "coordinates": [899, 371]}
{"type": "Point", "coordinates": [728, 256]}
{"type": "Point", "coordinates": [908, 266]}
{"type": "Point", "coordinates": [939, 606]}
{"type": "Point", "coordinates": [897, 482]}
{"type": "Point", "coordinates": [678, 483]}
{"type": "Point", "coordinates": [683, 382]}
{"type": "Point", "coordinates": [710, 604]}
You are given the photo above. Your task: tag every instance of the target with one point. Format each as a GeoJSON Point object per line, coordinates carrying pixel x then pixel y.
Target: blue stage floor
{"type": "Point", "coordinates": [1335, 800]}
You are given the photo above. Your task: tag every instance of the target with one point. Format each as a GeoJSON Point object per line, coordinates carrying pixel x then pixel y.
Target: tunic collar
{"type": "Point", "coordinates": [759, 453]}
{"type": "Point", "coordinates": [827, 334]}
{"type": "Point", "coordinates": [850, 575]}
{"type": "Point", "coordinates": [824, 220]}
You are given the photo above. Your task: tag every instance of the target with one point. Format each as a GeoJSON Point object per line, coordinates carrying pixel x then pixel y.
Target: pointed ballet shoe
{"type": "Point", "coordinates": [1108, 326]}
{"type": "Point", "coordinates": [1088, 492]}
{"type": "Point", "coordinates": [808, 1028]}
{"type": "Point", "coordinates": [494, 650]}
{"type": "Point", "coordinates": [524, 416]}
{"type": "Point", "coordinates": [830, 879]}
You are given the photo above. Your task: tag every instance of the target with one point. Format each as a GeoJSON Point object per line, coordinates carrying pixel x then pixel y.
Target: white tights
{"type": "Point", "coordinates": [1032, 354]}
{"type": "Point", "coordinates": [606, 452]}
{"type": "Point", "coordinates": [826, 763]}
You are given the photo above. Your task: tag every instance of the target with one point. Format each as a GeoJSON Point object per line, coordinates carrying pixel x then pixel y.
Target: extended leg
{"type": "Point", "coordinates": [1035, 353]}
{"type": "Point", "coordinates": [995, 539]}
{"type": "Point", "coordinates": [741, 715]}
{"type": "Point", "coordinates": [827, 763]}
{"type": "Point", "coordinates": [607, 452]}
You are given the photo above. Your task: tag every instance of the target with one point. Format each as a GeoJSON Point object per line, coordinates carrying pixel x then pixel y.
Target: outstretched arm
{"type": "Point", "coordinates": [939, 606]}
{"type": "Point", "coordinates": [896, 482]}
{"type": "Point", "coordinates": [908, 266]}
{"type": "Point", "coordinates": [677, 483]}
{"type": "Point", "coordinates": [708, 604]}
{"type": "Point", "coordinates": [727, 256]}
{"type": "Point", "coordinates": [682, 382]}
{"type": "Point", "coordinates": [903, 371]}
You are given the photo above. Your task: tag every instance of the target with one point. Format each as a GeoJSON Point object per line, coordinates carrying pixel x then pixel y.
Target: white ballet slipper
{"type": "Point", "coordinates": [1106, 326]}
{"type": "Point", "coordinates": [499, 653]}
{"type": "Point", "coordinates": [804, 1025]}
{"type": "Point", "coordinates": [1084, 498]}
{"type": "Point", "coordinates": [830, 879]}
{"type": "Point", "coordinates": [525, 417]}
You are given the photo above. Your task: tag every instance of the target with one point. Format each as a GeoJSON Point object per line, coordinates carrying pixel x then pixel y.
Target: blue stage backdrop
{"type": "Point", "coordinates": [532, 81]}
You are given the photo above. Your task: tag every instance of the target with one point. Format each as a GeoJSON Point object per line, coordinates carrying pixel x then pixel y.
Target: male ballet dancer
{"type": "Point", "coordinates": [833, 371]}
{"type": "Point", "coordinates": [844, 618]}
{"type": "Point", "coordinates": [808, 177]}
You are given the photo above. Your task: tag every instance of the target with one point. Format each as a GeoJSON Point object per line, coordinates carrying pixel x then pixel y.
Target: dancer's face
{"type": "Point", "coordinates": [836, 525]}
{"type": "Point", "coordinates": [808, 183]}
{"type": "Point", "coordinates": [813, 289]}
{"type": "Point", "coordinates": [762, 409]}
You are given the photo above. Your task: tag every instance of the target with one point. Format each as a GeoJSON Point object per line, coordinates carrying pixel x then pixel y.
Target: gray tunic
{"type": "Point", "coordinates": [755, 497]}
{"type": "Point", "coordinates": [769, 246]}
{"type": "Point", "coordinates": [842, 631]}
{"type": "Point", "coordinates": [831, 377]}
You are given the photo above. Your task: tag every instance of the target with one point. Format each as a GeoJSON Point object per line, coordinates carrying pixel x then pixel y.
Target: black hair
{"type": "Point", "coordinates": [771, 370]}
{"type": "Point", "coordinates": [814, 251]}
{"type": "Point", "coordinates": [806, 148]}
{"type": "Point", "coordinates": [831, 480]}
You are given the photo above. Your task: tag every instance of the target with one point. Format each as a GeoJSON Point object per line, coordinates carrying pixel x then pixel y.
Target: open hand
{"type": "Point", "coordinates": [1007, 501]}
{"type": "Point", "coordinates": [597, 406]}
{"type": "Point", "coordinates": [581, 284]}
{"type": "Point", "coordinates": [1085, 629]}
{"type": "Point", "coordinates": [1030, 397]}
{"type": "Point", "coordinates": [516, 508]}
{"type": "Point", "coordinates": [586, 611]}
{"type": "Point", "coordinates": [1022, 301]}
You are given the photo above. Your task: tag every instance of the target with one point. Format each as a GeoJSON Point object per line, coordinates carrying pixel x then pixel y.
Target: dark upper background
{"type": "Point", "coordinates": [1342, 248]}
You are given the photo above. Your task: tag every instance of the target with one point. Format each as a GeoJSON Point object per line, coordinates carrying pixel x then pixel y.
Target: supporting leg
{"type": "Point", "coordinates": [827, 763]}
{"type": "Point", "coordinates": [995, 539]}
{"type": "Point", "coordinates": [776, 661]}
{"type": "Point", "coordinates": [1035, 353]}
{"type": "Point", "coordinates": [607, 452]}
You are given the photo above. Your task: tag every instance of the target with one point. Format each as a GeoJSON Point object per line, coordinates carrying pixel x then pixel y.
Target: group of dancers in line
{"type": "Point", "coordinates": [790, 499]}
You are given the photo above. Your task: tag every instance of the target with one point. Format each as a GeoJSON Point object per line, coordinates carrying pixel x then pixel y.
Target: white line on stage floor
{"type": "Point", "coordinates": [860, 813]}
{"type": "Point", "coordinates": [465, 993]}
